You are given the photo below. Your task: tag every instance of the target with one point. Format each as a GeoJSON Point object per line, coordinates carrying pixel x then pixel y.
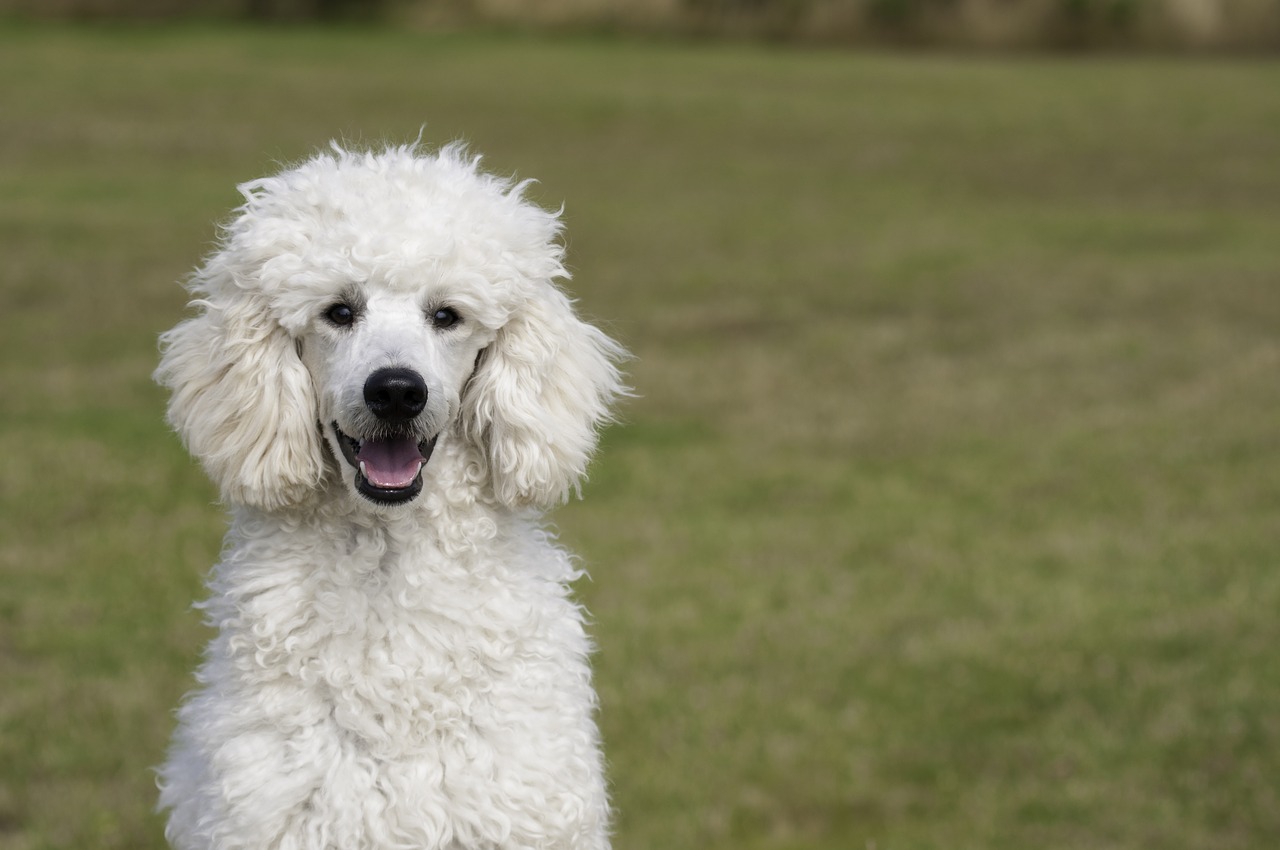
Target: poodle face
{"type": "Point", "coordinates": [362, 309]}
{"type": "Point", "coordinates": [389, 368]}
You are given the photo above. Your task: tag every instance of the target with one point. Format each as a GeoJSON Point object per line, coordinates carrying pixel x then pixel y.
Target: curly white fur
{"type": "Point", "coordinates": [408, 673]}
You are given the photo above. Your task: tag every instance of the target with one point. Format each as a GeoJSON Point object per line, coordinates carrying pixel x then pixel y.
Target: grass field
{"type": "Point", "coordinates": [949, 512]}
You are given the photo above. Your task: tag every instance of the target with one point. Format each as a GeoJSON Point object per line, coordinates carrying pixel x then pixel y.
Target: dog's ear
{"type": "Point", "coordinates": [537, 399]}
{"type": "Point", "coordinates": [242, 400]}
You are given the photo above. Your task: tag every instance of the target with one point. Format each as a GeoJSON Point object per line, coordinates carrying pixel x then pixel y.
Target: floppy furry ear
{"type": "Point", "coordinates": [538, 397]}
{"type": "Point", "coordinates": [242, 400]}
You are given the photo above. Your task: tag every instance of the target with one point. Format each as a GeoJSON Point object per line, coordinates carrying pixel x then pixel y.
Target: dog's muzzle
{"type": "Point", "coordinates": [389, 463]}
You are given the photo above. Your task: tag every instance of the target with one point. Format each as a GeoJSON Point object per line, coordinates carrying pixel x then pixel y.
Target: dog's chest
{"type": "Point", "coordinates": [404, 673]}
{"type": "Point", "coordinates": [401, 657]}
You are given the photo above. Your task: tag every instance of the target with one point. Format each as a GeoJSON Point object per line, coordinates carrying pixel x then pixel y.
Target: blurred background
{"type": "Point", "coordinates": [1127, 24]}
{"type": "Point", "coordinates": [948, 512]}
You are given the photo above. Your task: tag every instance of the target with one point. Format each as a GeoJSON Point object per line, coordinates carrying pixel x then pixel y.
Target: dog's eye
{"type": "Point", "coordinates": [340, 314]}
{"type": "Point", "coordinates": [445, 317]}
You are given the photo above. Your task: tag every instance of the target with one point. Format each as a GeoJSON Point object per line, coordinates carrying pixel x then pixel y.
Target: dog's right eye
{"type": "Point", "coordinates": [340, 314]}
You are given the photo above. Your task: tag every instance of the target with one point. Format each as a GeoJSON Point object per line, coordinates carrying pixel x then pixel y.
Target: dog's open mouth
{"type": "Point", "coordinates": [388, 469]}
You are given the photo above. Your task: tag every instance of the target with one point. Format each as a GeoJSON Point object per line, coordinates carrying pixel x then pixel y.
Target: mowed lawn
{"type": "Point", "coordinates": [948, 513]}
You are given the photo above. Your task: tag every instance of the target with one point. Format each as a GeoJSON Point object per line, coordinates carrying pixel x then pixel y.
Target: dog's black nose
{"type": "Point", "coordinates": [395, 395]}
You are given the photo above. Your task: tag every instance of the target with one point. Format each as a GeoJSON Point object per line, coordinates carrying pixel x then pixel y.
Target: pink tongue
{"type": "Point", "coordinates": [390, 463]}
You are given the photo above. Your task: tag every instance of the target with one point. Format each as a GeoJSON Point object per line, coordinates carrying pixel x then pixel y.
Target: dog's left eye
{"type": "Point", "coordinates": [445, 317]}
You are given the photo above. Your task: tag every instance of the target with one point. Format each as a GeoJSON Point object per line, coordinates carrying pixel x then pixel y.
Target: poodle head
{"type": "Point", "coordinates": [363, 307]}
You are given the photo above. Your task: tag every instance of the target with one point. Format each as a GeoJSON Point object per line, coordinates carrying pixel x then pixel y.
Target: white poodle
{"type": "Point", "coordinates": [387, 387]}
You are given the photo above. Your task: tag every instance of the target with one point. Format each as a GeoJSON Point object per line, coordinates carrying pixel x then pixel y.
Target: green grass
{"type": "Point", "coordinates": [947, 515]}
